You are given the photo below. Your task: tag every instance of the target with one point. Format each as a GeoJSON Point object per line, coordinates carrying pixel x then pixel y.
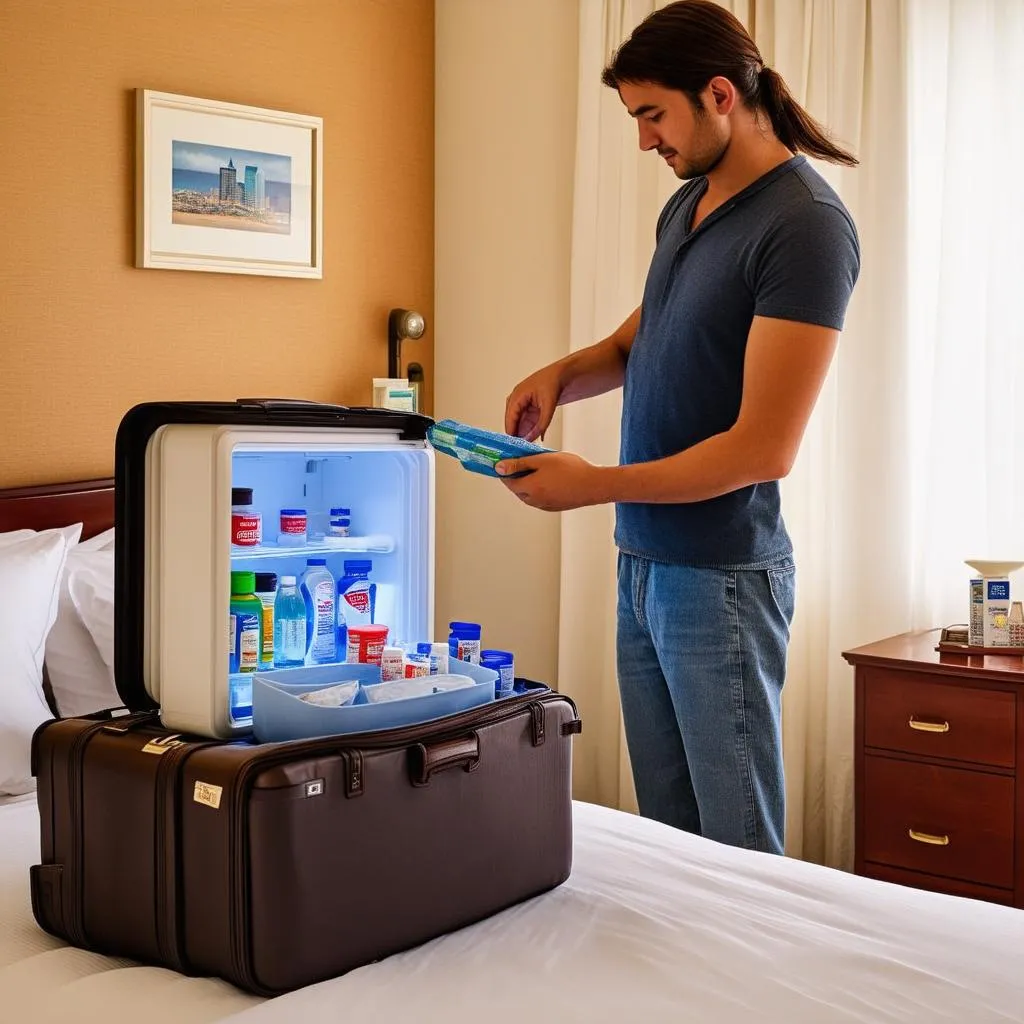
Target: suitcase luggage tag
{"type": "Point", "coordinates": [478, 450]}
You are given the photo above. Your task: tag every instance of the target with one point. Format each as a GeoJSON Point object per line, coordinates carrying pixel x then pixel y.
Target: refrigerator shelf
{"type": "Point", "coordinates": [375, 544]}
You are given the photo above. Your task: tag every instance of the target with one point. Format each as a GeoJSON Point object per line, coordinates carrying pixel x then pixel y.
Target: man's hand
{"type": "Point", "coordinates": [532, 404]}
{"type": "Point", "coordinates": [556, 482]}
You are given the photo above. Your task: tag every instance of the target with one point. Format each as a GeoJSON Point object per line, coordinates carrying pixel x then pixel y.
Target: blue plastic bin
{"type": "Point", "coordinates": [278, 714]}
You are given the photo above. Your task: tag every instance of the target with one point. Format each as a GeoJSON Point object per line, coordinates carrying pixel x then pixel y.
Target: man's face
{"type": "Point", "coordinates": [691, 141]}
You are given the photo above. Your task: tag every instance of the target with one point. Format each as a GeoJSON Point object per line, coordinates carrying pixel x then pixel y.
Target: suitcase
{"type": "Point", "coordinates": [276, 865]}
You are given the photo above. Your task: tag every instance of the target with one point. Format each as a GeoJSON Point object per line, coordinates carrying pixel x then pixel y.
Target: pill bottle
{"type": "Point", "coordinates": [439, 654]}
{"type": "Point", "coordinates": [392, 664]}
{"type": "Point", "coordinates": [245, 635]}
{"type": "Point", "coordinates": [503, 663]}
{"type": "Point", "coordinates": [246, 522]}
{"type": "Point", "coordinates": [293, 527]}
{"type": "Point", "coordinates": [340, 522]}
{"type": "Point", "coordinates": [366, 644]}
{"type": "Point", "coordinates": [266, 591]}
{"type": "Point", "coordinates": [464, 642]}
{"type": "Point", "coordinates": [416, 666]}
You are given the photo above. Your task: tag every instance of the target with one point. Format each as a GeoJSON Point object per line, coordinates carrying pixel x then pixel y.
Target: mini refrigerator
{"type": "Point", "coordinates": [181, 536]}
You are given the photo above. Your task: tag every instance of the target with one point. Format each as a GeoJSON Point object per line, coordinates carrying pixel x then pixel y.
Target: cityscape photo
{"type": "Point", "coordinates": [217, 187]}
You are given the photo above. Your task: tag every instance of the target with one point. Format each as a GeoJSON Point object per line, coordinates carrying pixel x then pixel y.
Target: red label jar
{"type": "Point", "coordinates": [366, 644]}
{"type": "Point", "coordinates": [293, 525]}
{"type": "Point", "coordinates": [246, 523]}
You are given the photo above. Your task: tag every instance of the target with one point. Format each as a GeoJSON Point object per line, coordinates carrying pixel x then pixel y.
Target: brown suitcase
{"type": "Point", "coordinates": [278, 865]}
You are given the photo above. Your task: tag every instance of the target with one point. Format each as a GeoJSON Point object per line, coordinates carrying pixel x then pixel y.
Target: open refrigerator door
{"type": "Point", "coordinates": [274, 573]}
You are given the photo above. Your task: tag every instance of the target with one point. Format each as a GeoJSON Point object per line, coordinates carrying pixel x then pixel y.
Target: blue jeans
{"type": "Point", "coordinates": [701, 664]}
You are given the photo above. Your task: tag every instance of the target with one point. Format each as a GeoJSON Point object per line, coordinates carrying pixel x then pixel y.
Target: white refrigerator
{"type": "Point", "coordinates": [180, 538]}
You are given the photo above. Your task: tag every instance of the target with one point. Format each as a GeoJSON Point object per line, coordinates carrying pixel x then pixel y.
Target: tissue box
{"type": "Point", "coordinates": [990, 611]}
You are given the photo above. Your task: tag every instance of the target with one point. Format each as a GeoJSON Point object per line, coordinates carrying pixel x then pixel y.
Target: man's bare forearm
{"type": "Point", "coordinates": [599, 368]}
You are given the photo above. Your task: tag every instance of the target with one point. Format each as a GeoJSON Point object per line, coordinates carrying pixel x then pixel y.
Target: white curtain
{"type": "Point", "coordinates": [967, 269]}
{"type": "Point", "coordinates": [846, 501]}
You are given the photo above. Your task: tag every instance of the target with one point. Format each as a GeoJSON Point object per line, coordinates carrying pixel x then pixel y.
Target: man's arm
{"type": "Point", "coordinates": [583, 374]}
{"type": "Point", "coordinates": [785, 366]}
{"type": "Point", "coordinates": [600, 368]}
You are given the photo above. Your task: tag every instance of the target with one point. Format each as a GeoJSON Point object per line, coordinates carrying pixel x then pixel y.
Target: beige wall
{"type": "Point", "coordinates": [83, 334]}
{"type": "Point", "coordinates": [505, 129]}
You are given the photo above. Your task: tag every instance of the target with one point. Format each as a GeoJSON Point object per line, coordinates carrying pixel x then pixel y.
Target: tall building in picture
{"type": "Point", "coordinates": [255, 187]}
{"type": "Point", "coordinates": [229, 183]}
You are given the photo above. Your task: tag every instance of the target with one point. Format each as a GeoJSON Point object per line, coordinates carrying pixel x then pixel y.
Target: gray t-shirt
{"type": "Point", "coordinates": [784, 247]}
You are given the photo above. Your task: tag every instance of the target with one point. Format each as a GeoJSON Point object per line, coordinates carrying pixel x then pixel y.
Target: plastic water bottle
{"type": "Point", "coordinates": [289, 625]}
{"type": "Point", "coordinates": [357, 598]}
{"type": "Point", "coordinates": [320, 600]}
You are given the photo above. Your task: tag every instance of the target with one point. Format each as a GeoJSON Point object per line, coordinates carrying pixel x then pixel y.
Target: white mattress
{"type": "Point", "coordinates": [654, 925]}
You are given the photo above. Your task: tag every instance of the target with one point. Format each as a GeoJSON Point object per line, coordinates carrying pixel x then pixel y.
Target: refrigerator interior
{"type": "Point", "coordinates": [388, 491]}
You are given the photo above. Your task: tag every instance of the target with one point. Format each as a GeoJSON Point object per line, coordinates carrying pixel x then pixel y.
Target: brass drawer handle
{"type": "Point", "coordinates": [928, 726]}
{"type": "Point", "coordinates": [924, 837]}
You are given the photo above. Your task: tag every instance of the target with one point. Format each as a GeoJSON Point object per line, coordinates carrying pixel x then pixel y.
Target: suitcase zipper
{"type": "Point", "coordinates": [402, 736]}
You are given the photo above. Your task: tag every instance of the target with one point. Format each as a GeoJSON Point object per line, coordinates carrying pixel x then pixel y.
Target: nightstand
{"type": "Point", "coordinates": [939, 771]}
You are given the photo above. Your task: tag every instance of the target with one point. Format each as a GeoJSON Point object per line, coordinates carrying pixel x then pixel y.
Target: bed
{"type": "Point", "coordinates": [653, 925]}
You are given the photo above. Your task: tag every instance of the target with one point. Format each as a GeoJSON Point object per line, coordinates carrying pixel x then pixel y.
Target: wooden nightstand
{"type": "Point", "coordinates": [939, 768]}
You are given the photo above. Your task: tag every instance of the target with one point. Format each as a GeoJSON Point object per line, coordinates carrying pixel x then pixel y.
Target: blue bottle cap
{"type": "Point", "coordinates": [316, 561]}
{"type": "Point", "coordinates": [352, 567]}
{"type": "Point", "coordinates": [464, 627]}
{"type": "Point", "coordinates": [423, 648]}
{"type": "Point", "coordinates": [293, 511]}
{"type": "Point", "coordinates": [500, 657]}
{"type": "Point", "coordinates": [341, 512]}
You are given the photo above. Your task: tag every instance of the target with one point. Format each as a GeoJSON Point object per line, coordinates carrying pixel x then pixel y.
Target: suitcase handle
{"type": "Point", "coordinates": [439, 757]}
{"type": "Point", "coordinates": [290, 405]}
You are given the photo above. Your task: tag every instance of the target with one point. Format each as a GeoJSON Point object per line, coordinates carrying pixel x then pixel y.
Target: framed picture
{"type": "Point", "coordinates": [227, 188]}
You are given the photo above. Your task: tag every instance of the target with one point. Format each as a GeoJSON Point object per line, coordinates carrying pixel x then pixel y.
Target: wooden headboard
{"type": "Point", "coordinates": [90, 502]}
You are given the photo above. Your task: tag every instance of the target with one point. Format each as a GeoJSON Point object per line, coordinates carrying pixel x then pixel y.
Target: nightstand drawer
{"type": "Point", "coordinates": [909, 712]}
{"type": "Point", "coordinates": [945, 821]}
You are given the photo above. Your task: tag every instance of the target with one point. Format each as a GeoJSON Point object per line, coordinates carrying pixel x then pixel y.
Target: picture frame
{"type": "Point", "coordinates": [227, 188]}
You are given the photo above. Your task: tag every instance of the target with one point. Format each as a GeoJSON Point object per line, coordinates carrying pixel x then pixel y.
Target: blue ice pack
{"type": "Point", "coordinates": [479, 450]}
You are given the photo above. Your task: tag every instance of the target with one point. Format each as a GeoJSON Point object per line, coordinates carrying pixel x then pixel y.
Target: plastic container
{"type": "Point", "coordinates": [417, 666]}
{"type": "Point", "coordinates": [366, 644]}
{"type": "Point", "coordinates": [357, 598]}
{"type": "Point", "coordinates": [340, 522]}
{"type": "Point", "coordinates": [503, 663]}
{"type": "Point", "coordinates": [392, 663]}
{"type": "Point", "coordinates": [293, 525]}
{"type": "Point", "coordinates": [266, 591]}
{"type": "Point", "coordinates": [439, 654]}
{"type": "Point", "coordinates": [246, 522]}
{"type": "Point", "coordinates": [464, 642]}
{"type": "Point", "coordinates": [246, 632]}
{"type": "Point", "coordinates": [320, 598]}
{"type": "Point", "coordinates": [279, 715]}
{"type": "Point", "coordinates": [289, 625]}
{"type": "Point", "coordinates": [356, 595]}
{"type": "Point", "coordinates": [240, 697]}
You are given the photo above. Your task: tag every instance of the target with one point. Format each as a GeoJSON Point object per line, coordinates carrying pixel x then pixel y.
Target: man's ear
{"type": "Point", "coordinates": [722, 94]}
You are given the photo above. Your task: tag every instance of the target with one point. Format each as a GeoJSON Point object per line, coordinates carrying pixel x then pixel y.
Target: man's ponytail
{"type": "Point", "coordinates": [793, 126]}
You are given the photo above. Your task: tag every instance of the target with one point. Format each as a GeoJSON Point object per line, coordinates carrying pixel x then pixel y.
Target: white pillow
{"type": "Point", "coordinates": [101, 542]}
{"type": "Point", "coordinates": [92, 592]}
{"type": "Point", "coordinates": [31, 567]}
{"type": "Point", "coordinates": [80, 679]}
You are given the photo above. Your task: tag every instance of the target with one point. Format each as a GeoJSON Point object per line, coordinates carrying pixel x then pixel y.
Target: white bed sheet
{"type": "Point", "coordinates": [654, 925]}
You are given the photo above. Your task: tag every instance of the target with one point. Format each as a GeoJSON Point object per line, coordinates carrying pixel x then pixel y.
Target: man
{"type": "Point", "coordinates": [755, 262]}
